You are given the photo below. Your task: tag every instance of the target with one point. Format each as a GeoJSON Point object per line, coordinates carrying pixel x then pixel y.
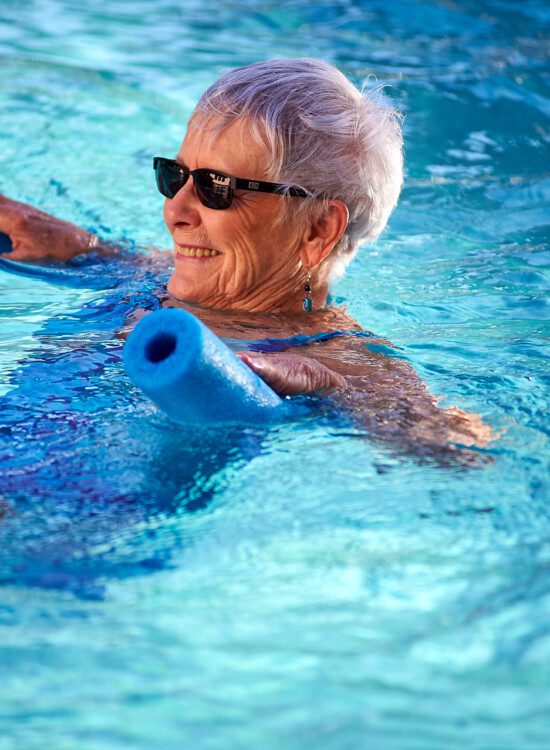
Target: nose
{"type": "Point", "coordinates": [183, 209]}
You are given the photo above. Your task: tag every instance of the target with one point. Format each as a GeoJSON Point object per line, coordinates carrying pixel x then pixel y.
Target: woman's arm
{"type": "Point", "coordinates": [382, 393]}
{"type": "Point", "coordinates": [37, 236]}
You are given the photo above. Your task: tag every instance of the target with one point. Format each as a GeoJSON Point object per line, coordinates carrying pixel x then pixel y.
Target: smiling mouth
{"type": "Point", "coordinates": [195, 252]}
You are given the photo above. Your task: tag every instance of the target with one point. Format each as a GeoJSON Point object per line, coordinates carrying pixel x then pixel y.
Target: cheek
{"type": "Point", "coordinates": [245, 263]}
{"type": "Point", "coordinates": [243, 237]}
{"type": "Point", "coordinates": [255, 234]}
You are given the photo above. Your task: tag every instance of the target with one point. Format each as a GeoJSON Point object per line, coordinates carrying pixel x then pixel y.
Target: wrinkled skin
{"type": "Point", "coordinates": [289, 374]}
{"type": "Point", "coordinates": [261, 261]}
{"type": "Point", "coordinates": [254, 269]}
{"type": "Point", "coordinates": [251, 288]}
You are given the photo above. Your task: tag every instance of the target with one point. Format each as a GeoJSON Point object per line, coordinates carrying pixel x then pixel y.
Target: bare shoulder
{"type": "Point", "coordinates": [385, 392]}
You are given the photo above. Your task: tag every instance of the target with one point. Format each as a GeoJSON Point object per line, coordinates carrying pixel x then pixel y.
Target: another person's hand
{"type": "Point", "coordinates": [291, 374]}
{"type": "Point", "coordinates": [35, 235]}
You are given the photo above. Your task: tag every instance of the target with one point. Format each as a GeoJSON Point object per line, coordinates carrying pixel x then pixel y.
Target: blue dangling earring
{"type": "Point", "coordinates": [307, 303]}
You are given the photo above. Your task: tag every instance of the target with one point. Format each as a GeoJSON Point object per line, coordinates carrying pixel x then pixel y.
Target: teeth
{"type": "Point", "coordinates": [195, 252]}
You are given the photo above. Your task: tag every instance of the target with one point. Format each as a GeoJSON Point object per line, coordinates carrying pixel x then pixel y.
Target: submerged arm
{"type": "Point", "coordinates": [381, 393]}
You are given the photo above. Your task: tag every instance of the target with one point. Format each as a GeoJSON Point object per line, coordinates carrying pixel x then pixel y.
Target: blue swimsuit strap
{"type": "Point", "coordinates": [281, 345]}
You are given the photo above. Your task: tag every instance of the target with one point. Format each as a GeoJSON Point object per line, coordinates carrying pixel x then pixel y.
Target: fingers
{"type": "Point", "coordinates": [247, 359]}
{"type": "Point", "coordinates": [264, 367]}
{"type": "Point", "coordinates": [291, 374]}
{"type": "Point", "coordinates": [11, 228]}
{"type": "Point", "coordinates": [468, 428]}
{"type": "Point", "coordinates": [6, 216]}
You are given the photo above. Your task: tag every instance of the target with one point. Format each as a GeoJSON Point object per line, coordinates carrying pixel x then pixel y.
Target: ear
{"type": "Point", "coordinates": [322, 235]}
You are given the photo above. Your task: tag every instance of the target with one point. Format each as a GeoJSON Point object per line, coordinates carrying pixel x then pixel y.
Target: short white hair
{"type": "Point", "coordinates": [320, 133]}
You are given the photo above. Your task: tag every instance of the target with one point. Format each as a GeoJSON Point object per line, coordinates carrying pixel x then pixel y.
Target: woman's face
{"type": "Point", "coordinates": [256, 266]}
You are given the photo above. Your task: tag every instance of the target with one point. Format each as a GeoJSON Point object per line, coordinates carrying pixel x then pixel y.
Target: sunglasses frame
{"type": "Point", "coordinates": [235, 183]}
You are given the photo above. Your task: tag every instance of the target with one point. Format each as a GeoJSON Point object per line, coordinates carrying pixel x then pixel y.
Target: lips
{"type": "Point", "coordinates": [187, 251]}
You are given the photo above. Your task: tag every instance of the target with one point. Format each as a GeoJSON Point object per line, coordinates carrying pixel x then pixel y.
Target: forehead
{"type": "Point", "coordinates": [234, 150]}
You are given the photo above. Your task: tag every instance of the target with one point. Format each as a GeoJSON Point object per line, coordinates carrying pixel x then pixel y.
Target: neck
{"type": "Point", "coordinates": [318, 296]}
{"type": "Point", "coordinates": [268, 297]}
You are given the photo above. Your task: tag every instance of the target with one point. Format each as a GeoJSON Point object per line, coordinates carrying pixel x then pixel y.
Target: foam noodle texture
{"type": "Point", "coordinates": [192, 375]}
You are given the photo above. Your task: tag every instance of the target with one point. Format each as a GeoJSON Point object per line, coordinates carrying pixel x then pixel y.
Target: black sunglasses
{"type": "Point", "coordinates": [214, 189]}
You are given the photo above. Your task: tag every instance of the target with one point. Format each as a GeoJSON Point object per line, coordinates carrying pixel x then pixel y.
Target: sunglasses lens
{"type": "Point", "coordinates": [171, 177]}
{"type": "Point", "coordinates": [213, 188]}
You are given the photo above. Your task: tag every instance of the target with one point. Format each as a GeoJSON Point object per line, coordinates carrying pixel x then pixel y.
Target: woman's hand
{"type": "Point", "coordinates": [467, 428]}
{"type": "Point", "coordinates": [35, 235]}
{"type": "Point", "coordinates": [290, 374]}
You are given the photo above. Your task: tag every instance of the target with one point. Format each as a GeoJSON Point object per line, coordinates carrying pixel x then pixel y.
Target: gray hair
{"type": "Point", "coordinates": [320, 133]}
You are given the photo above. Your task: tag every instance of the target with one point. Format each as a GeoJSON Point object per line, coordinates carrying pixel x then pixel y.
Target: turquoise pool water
{"type": "Point", "coordinates": [302, 586]}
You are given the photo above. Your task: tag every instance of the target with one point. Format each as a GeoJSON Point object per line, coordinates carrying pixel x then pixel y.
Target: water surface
{"type": "Point", "coordinates": [300, 586]}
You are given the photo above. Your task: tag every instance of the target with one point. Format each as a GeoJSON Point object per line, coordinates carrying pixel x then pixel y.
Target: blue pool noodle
{"type": "Point", "coordinates": [192, 375]}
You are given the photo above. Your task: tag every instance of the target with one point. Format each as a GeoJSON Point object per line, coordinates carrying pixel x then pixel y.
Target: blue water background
{"type": "Point", "coordinates": [301, 586]}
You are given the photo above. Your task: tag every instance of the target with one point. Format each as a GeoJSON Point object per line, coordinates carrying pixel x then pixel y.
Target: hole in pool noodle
{"type": "Point", "coordinates": [160, 347]}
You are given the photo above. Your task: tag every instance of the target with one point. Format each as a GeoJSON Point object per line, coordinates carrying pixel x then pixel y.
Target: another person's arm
{"type": "Point", "coordinates": [36, 236]}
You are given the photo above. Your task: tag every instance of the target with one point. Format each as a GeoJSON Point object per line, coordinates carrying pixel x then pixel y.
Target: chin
{"type": "Point", "coordinates": [189, 290]}
{"type": "Point", "coordinates": [182, 289]}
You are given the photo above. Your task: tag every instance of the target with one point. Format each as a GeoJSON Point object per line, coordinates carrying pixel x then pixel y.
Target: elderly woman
{"type": "Point", "coordinates": [284, 170]}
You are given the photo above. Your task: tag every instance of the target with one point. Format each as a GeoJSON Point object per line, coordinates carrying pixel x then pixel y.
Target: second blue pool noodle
{"type": "Point", "coordinates": [192, 375]}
